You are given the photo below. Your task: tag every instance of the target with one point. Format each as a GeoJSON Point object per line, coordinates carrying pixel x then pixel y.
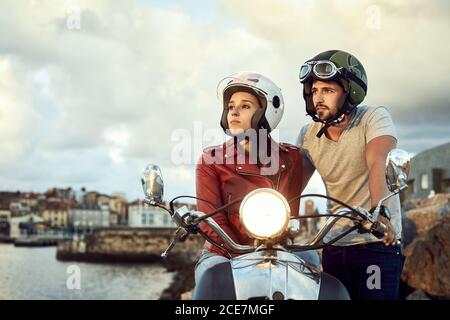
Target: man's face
{"type": "Point", "coordinates": [327, 98]}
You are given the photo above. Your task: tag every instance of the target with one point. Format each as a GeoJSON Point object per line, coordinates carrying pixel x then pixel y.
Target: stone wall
{"type": "Point", "coordinates": [124, 245]}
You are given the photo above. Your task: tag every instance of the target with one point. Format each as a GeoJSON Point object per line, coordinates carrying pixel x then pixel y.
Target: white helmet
{"type": "Point", "coordinates": [267, 92]}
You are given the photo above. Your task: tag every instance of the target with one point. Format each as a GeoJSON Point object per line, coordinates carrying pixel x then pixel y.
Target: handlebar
{"type": "Point", "coordinates": [379, 229]}
{"type": "Point", "coordinates": [365, 223]}
{"type": "Point", "coordinates": [362, 218]}
{"type": "Point", "coordinates": [235, 247]}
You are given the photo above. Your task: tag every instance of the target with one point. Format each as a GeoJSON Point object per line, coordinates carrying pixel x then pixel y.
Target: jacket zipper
{"type": "Point", "coordinates": [278, 182]}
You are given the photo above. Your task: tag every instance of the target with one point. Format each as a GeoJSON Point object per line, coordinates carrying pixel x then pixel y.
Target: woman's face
{"type": "Point", "coordinates": [241, 108]}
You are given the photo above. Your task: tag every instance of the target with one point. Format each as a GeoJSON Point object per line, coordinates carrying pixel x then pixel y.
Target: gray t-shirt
{"type": "Point", "coordinates": [343, 168]}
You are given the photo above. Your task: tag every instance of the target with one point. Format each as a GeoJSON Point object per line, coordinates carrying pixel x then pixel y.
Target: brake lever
{"type": "Point", "coordinates": [174, 241]}
{"type": "Point", "coordinates": [365, 213]}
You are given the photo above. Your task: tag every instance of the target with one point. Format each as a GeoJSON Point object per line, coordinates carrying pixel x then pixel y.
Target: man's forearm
{"type": "Point", "coordinates": [376, 153]}
{"type": "Point", "coordinates": [377, 183]}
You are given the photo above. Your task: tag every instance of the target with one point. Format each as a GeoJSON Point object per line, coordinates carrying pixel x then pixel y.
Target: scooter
{"type": "Point", "coordinates": [274, 268]}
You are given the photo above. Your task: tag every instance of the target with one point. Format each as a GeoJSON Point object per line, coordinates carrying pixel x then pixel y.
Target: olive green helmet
{"type": "Point", "coordinates": [334, 65]}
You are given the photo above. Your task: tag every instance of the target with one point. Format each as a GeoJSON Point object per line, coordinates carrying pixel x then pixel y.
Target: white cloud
{"type": "Point", "coordinates": [18, 120]}
{"type": "Point", "coordinates": [181, 174]}
{"type": "Point", "coordinates": [118, 139]}
{"type": "Point", "coordinates": [115, 90]}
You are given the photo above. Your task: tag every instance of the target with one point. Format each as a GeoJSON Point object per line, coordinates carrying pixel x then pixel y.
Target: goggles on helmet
{"type": "Point", "coordinates": [322, 69]}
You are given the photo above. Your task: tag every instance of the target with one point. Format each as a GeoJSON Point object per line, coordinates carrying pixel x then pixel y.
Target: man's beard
{"type": "Point", "coordinates": [323, 113]}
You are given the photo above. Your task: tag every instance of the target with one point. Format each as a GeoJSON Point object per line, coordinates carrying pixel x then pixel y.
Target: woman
{"type": "Point", "coordinates": [252, 107]}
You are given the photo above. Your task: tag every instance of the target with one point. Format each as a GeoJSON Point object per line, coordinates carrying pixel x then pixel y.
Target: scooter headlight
{"type": "Point", "coordinates": [264, 213]}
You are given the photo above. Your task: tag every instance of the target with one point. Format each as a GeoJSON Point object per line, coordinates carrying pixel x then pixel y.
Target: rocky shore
{"type": "Point", "coordinates": [427, 251]}
{"type": "Point", "coordinates": [183, 264]}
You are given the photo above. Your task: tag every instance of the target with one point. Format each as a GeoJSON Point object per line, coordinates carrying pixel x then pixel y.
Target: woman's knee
{"type": "Point", "coordinates": [206, 261]}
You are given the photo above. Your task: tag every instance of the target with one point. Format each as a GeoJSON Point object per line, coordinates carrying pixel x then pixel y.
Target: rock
{"type": "Point", "coordinates": [404, 290]}
{"type": "Point", "coordinates": [409, 231]}
{"type": "Point", "coordinates": [426, 217]}
{"type": "Point", "coordinates": [186, 295]}
{"type": "Point", "coordinates": [410, 204]}
{"type": "Point", "coordinates": [417, 295]}
{"type": "Point", "coordinates": [428, 260]}
{"type": "Point", "coordinates": [439, 199]}
{"type": "Point", "coordinates": [183, 281]}
{"type": "Point", "coordinates": [183, 262]}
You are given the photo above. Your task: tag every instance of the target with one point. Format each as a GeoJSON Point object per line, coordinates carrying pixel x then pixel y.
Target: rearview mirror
{"type": "Point", "coordinates": [397, 169]}
{"type": "Point", "coordinates": [152, 183]}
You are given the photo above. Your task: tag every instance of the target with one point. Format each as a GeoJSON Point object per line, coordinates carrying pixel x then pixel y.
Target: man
{"type": "Point", "coordinates": [348, 146]}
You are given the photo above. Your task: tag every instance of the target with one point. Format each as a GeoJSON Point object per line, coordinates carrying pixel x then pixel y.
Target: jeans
{"type": "Point", "coordinates": [207, 260]}
{"type": "Point", "coordinates": [310, 256]}
{"type": "Point", "coordinates": [369, 271]}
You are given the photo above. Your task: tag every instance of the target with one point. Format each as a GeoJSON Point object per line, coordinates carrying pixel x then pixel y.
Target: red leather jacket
{"type": "Point", "coordinates": [220, 179]}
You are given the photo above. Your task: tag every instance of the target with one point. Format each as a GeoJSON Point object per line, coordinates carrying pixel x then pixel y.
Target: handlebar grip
{"type": "Point", "coordinates": [378, 229]}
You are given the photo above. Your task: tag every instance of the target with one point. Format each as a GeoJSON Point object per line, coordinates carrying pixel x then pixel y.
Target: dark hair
{"type": "Point", "coordinates": [339, 82]}
{"type": "Point", "coordinates": [258, 98]}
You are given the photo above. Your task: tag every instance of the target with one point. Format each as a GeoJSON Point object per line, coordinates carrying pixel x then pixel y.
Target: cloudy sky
{"type": "Point", "coordinates": [91, 91]}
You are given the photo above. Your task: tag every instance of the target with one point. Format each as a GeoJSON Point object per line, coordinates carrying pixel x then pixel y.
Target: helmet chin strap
{"type": "Point", "coordinates": [329, 123]}
{"type": "Point", "coordinates": [346, 109]}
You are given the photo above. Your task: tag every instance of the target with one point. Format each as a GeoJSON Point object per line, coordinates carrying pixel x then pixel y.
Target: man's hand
{"type": "Point", "coordinates": [390, 238]}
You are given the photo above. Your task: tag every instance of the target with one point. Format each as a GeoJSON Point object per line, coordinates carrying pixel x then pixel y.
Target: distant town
{"type": "Point", "coordinates": [67, 212]}
{"type": "Point", "coordinates": [63, 213]}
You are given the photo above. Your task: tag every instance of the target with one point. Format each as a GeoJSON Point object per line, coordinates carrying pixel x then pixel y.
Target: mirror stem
{"type": "Point", "coordinates": [156, 204]}
{"type": "Point", "coordinates": [396, 191]}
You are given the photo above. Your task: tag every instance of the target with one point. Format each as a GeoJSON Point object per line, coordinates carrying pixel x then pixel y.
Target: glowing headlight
{"type": "Point", "coordinates": [264, 213]}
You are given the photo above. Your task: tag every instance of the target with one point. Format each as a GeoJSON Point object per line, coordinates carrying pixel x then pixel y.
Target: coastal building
{"type": "Point", "coordinates": [429, 173]}
{"type": "Point", "coordinates": [86, 217]}
{"type": "Point", "coordinates": [119, 204]}
{"type": "Point", "coordinates": [143, 216]}
{"type": "Point", "coordinates": [24, 203]}
{"type": "Point", "coordinates": [56, 214]}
